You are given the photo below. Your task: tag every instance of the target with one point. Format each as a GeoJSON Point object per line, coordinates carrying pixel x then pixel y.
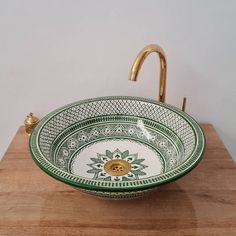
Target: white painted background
{"type": "Point", "coordinates": [54, 52]}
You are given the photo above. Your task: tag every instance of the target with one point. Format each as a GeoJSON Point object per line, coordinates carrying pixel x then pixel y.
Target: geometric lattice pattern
{"type": "Point", "coordinates": [116, 106]}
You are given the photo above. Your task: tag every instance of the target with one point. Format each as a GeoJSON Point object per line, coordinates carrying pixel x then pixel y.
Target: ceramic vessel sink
{"type": "Point", "coordinates": [117, 147]}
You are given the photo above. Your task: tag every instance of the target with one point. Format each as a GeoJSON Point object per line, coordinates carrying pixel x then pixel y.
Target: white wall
{"type": "Point", "coordinates": [54, 52]}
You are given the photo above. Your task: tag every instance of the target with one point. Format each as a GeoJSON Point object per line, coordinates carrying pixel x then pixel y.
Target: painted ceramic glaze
{"type": "Point", "coordinates": [117, 147]}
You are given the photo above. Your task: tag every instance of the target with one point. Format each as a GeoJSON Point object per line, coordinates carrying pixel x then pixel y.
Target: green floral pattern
{"type": "Point", "coordinates": [63, 155]}
{"type": "Point", "coordinates": [101, 159]}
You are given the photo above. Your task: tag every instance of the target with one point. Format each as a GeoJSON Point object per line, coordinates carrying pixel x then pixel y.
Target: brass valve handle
{"type": "Point", "coordinates": [184, 104]}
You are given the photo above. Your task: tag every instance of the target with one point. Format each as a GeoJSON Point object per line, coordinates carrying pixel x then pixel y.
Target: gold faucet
{"type": "Point", "coordinates": [163, 67]}
{"type": "Point", "coordinates": [139, 61]}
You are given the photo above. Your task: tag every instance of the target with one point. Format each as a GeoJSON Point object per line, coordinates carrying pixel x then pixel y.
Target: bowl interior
{"type": "Point", "coordinates": [117, 142]}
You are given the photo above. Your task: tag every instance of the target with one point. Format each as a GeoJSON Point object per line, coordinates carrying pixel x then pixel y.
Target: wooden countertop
{"type": "Point", "coordinates": [201, 203]}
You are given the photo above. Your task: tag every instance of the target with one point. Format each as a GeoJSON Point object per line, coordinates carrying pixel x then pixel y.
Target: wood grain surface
{"type": "Point", "coordinates": [201, 203]}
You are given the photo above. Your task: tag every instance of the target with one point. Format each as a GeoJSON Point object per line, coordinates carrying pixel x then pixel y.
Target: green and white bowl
{"type": "Point", "coordinates": [117, 147]}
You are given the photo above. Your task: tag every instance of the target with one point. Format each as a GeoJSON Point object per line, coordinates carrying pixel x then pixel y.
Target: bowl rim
{"type": "Point", "coordinates": [164, 178]}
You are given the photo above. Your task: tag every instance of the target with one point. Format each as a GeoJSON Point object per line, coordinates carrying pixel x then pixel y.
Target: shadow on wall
{"type": "Point", "coordinates": [226, 138]}
{"type": "Point", "coordinates": [195, 87]}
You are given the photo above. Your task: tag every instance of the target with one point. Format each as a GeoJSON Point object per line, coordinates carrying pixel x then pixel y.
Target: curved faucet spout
{"type": "Point", "coordinates": [139, 61]}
